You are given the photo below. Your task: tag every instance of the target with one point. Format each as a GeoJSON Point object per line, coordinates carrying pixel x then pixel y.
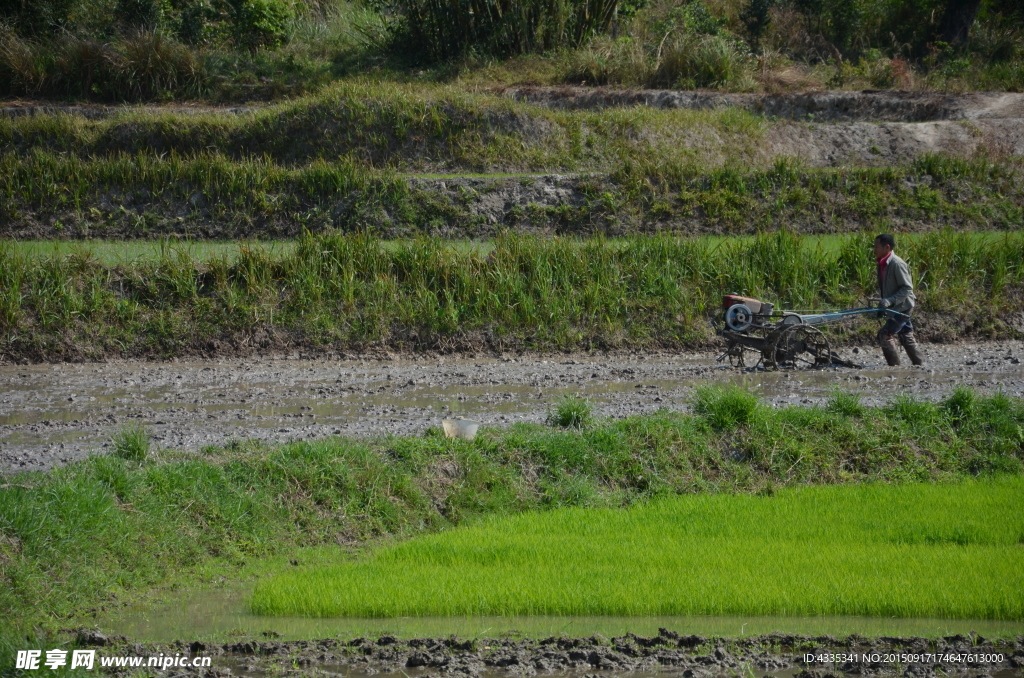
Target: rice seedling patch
{"type": "Point", "coordinates": [951, 551]}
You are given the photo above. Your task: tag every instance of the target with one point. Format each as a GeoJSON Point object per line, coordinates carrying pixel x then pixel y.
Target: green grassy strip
{"type": "Point", "coordinates": [209, 195]}
{"type": "Point", "coordinates": [125, 252]}
{"type": "Point", "coordinates": [93, 530]}
{"type": "Point", "coordinates": [947, 551]}
{"type": "Point", "coordinates": [254, 188]}
{"type": "Point", "coordinates": [408, 127]}
{"type": "Point", "coordinates": [338, 292]}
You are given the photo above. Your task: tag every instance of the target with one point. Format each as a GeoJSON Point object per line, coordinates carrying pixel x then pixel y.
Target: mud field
{"type": "Point", "coordinates": [54, 414]}
{"type": "Point", "coordinates": [667, 654]}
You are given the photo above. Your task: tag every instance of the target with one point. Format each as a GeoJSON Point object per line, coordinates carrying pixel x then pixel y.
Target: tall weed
{"type": "Point", "coordinates": [23, 65]}
{"type": "Point", "coordinates": [442, 30]}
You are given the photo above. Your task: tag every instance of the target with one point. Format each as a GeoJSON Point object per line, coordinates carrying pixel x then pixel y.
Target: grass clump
{"type": "Point", "coordinates": [131, 443]}
{"type": "Point", "coordinates": [572, 411]}
{"type": "Point", "coordinates": [726, 407]}
{"type": "Point", "coordinates": [948, 551]}
{"type": "Point", "coordinates": [845, 403]}
{"type": "Point", "coordinates": [960, 403]}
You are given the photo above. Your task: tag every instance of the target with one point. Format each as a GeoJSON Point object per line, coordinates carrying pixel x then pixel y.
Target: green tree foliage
{"type": "Point", "coordinates": [756, 17]}
{"type": "Point", "coordinates": [37, 16]}
{"type": "Point", "coordinates": [139, 15]}
{"type": "Point", "coordinates": [260, 23]}
{"type": "Point", "coordinates": [840, 22]}
{"type": "Point", "coordinates": [196, 22]}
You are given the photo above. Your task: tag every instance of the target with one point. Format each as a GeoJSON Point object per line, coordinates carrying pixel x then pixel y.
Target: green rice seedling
{"type": "Point", "coordinates": [132, 443]}
{"type": "Point", "coordinates": [949, 551]}
{"type": "Point", "coordinates": [571, 411]}
{"type": "Point", "coordinates": [725, 407]}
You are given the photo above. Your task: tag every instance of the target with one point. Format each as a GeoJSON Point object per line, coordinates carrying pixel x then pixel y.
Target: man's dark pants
{"type": "Point", "coordinates": [899, 327]}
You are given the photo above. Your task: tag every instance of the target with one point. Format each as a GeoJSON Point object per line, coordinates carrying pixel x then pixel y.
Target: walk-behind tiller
{"type": "Point", "coordinates": [783, 338]}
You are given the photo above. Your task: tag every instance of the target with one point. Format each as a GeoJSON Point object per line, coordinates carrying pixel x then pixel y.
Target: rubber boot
{"type": "Point", "coordinates": [911, 347]}
{"type": "Point", "coordinates": [889, 350]}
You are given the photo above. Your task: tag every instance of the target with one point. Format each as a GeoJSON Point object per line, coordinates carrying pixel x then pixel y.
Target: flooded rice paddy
{"type": "Point", "coordinates": [54, 414]}
{"type": "Point", "coordinates": [223, 612]}
{"type": "Point", "coordinates": [216, 625]}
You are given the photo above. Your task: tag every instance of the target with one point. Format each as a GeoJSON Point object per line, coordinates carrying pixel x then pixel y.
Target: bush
{"type": "Point", "coordinates": [138, 15]}
{"type": "Point", "coordinates": [150, 64]}
{"type": "Point", "coordinates": [709, 61]}
{"type": "Point", "coordinates": [35, 17]}
{"type": "Point", "coordinates": [21, 67]}
{"type": "Point", "coordinates": [195, 24]}
{"type": "Point", "coordinates": [260, 23]}
{"type": "Point", "coordinates": [884, 73]}
{"type": "Point", "coordinates": [725, 407]}
{"type": "Point", "coordinates": [755, 17]}
{"type": "Point", "coordinates": [132, 443]}
{"type": "Point", "coordinates": [571, 412]}
{"type": "Point", "coordinates": [82, 64]}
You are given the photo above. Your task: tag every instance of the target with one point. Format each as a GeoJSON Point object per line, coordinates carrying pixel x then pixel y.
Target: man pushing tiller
{"type": "Point", "coordinates": [897, 293]}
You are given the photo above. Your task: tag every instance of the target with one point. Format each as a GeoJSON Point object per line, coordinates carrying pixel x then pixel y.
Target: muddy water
{"type": "Point", "coordinates": [53, 414]}
{"type": "Point", "coordinates": [222, 613]}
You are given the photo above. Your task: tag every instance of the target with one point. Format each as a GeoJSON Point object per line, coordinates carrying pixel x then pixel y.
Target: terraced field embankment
{"type": "Point", "coordinates": [402, 161]}
{"type": "Point", "coordinates": [330, 293]}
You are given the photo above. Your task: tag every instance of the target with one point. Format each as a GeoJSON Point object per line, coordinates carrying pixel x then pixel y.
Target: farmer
{"type": "Point", "coordinates": [897, 293]}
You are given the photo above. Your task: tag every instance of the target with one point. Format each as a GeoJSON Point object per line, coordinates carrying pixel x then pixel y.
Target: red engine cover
{"type": "Point", "coordinates": [732, 299]}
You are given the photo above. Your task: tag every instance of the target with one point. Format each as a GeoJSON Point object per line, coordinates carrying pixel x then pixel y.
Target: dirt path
{"type": "Point", "coordinates": [817, 106]}
{"type": "Point", "coordinates": [53, 414]}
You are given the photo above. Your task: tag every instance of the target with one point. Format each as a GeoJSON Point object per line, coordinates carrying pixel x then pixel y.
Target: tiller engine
{"type": "Point", "coordinates": [783, 338]}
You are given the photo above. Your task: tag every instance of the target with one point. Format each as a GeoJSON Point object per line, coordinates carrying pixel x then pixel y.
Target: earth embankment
{"type": "Point", "coordinates": [405, 161]}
